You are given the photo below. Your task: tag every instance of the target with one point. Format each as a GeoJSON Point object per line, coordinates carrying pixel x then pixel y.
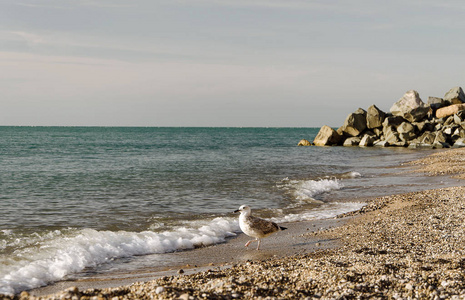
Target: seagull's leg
{"type": "Point", "coordinates": [258, 247]}
{"type": "Point", "coordinates": [248, 243]}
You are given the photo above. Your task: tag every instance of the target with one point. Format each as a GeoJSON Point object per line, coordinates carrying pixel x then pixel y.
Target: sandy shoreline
{"type": "Point", "coordinates": [400, 246]}
{"type": "Point", "coordinates": [214, 257]}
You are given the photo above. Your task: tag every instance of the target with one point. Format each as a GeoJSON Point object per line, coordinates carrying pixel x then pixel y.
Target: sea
{"type": "Point", "coordinates": [74, 199]}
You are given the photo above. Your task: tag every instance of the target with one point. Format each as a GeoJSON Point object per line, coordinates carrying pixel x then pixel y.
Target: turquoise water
{"type": "Point", "coordinates": [78, 197]}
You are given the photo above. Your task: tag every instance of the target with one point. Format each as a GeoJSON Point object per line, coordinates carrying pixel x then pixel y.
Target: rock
{"type": "Point", "coordinates": [406, 131]}
{"type": "Point", "coordinates": [450, 120]}
{"type": "Point", "coordinates": [427, 138]}
{"type": "Point", "coordinates": [409, 123]}
{"type": "Point", "coordinates": [440, 137]}
{"type": "Point", "coordinates": [460, 143]}
{"type": "Point", "coordinates": [440, 145]}
{"type": "Point", "coordinates": [159, 290]}
{"type": "Point", "coordinates": [352, 141]}
{"type": "Point", "coordinates": [460, 132]}
{"type": "Point", "coordinates": [410, 107]}
{"type": "Point", "coordinates": [184, 297]}
{"type": "Point", "coordinates": [435, 102]}
{"type": "Point", "coordinates": [355, 123]}
{"type": "Point", "coordinates": [440, 141]}
{"type": "Point", "coordinates": [380, 143]}
{"type": "Point", "coordinates": [393, 121]}
{"type": "Point", "coordinates": [391, 137]}
{"type": "Point", "coordinates": [378, 131]}
{"type": "Point", "coordinates": [416, 145]}
{"type": "Point", "coordinates": [375, 117]}
{"type": "Point", "coordinates": [459, 117]}
{"type": "Point", "coordinates": [405, 127]}
{"type": "Point", "coordinates": [423, 126]}
{"type": "Point", "coordinates": [400, 144]}
{"type": "Point", "coordinates": [448, 131]}
{"type": "Point", "coordinates": [327, 136]}
{"type": "Point", "coordinates": [367, 140]}
{"type": "Point", "coordinates": [457, 134]}
{"type": "Point", "coordinates": [406, 137]}
{"type": "Point", "coordinates": [454, 96]}
{"type": "Point", "coordinates": [304, 142]}
{"type": "Point", "coordinates": [449, 110]}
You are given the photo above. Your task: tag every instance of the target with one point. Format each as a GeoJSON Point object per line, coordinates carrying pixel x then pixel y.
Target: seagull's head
{"type": "Point", "coordinates": [243, 209]}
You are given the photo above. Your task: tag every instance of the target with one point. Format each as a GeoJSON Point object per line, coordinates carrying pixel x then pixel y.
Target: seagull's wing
{"type": "Point", "coordinates": [266, 227]}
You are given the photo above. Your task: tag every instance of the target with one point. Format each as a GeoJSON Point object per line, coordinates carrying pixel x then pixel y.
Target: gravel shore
{"type": "Point", "coordinates": [397, 247]}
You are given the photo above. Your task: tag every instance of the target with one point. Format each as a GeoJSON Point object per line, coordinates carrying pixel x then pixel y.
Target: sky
{"type": "Point", "coordinates": [241, 63]}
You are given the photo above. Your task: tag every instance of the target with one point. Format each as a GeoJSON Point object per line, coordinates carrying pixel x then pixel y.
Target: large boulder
{"type": "Point", "coordinates": [391, 136]}
{"type": "Point", "coordinates": [375, 117]}
{"type": "Point", "coordinates": [441, 138]}
{"type": "Point", "coordinates": [380, 143]}
{"type": "Point", "coordinates": [367, 140]}
{"type": "Point", "coordinates": [406, 131]}
{"type": "Point", "coordinates": [454, 96]}
{"type": "Point", "coordinates": [355, 123]}
{"type": "Point", "coordinates": [435, 102]}
{"type": "Point", "coordinates": [410, 107]}
{"type": "Point", "coordinates": [327, 136]}
{"type": "Point", "coordinates": [427, 137]}
{"type": "Point", "coordinates": [352, 141]}
{"type": "Point", "coordinates": [393, 121]}
{"type": "Point", "coordinates": [449, 110]}
{"type": "Point", "coordinates": [424, 126]}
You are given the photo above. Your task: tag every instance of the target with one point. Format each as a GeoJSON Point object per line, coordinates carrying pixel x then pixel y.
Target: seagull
{"type": "Point", "coordinates": [255, 227]}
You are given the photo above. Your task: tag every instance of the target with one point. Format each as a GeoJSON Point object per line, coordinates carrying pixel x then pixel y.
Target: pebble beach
{"type": "Point", "coordinates": [408, 246]}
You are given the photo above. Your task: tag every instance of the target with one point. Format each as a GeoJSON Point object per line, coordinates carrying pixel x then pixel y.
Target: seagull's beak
{"type": "Point", "coordinates": [236, 211]}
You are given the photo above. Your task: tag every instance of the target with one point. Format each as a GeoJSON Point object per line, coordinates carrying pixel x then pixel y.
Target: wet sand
{"type": "Point", "coordinates": [397, 247]}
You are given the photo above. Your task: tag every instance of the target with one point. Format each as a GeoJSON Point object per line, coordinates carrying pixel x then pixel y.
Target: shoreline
{"type": "Point", "coordinates": [384, 250]}
{"type": "Point", "coordinates": [219, 256]}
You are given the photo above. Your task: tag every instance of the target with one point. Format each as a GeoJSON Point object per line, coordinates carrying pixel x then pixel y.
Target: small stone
{"type": "Point", "coordinates": [72, 290]}
{"type": "Point", "coordinates": [184, 296]}
{"type": "Point", "coordinates": [159, 290]}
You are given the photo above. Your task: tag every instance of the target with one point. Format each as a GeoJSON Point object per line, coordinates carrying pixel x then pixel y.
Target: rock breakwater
{"type": "Point", "coordinates": [439, 123]}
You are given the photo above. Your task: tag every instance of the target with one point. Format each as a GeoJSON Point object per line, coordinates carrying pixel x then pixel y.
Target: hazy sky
{"type": "Point", "coordinates": [221, 62]}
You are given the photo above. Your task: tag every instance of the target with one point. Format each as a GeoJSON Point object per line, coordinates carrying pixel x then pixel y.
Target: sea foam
{"type": "Point", "coordinates": [53, 259]}
{"type": "Point", "coordinates": [307, 190]}
{"type": "Point", "coordinates": [325, 211]}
